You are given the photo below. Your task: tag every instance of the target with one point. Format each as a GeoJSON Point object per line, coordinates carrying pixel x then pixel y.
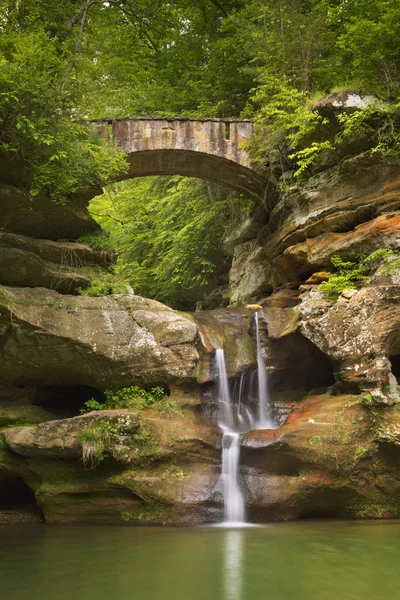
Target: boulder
{"type": "Point", "coordinates": [42, 218]}
{"type": "Point", "coordinates": [358, 333]}
{"type": "Point", "coordinates": [113, 341]}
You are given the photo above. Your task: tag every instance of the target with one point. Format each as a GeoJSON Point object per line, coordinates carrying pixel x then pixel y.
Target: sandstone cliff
{"type": "Point", "coordinates": [333, 364]}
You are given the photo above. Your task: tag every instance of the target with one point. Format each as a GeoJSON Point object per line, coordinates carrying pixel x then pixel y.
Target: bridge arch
{"type": "Point", "coordinates": [207, 148]}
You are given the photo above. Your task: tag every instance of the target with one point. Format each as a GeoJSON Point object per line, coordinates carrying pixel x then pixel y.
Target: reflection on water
{"type": "Point", "coordinates": [233, 564]}
{"type": "Point", "coordinates": [287, 561]}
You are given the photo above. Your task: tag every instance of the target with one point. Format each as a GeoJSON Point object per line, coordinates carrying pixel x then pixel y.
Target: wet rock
{"type": "Point", "coordinates": [153, 468]}
{"type": "Point", "coordinates": [323, 462]}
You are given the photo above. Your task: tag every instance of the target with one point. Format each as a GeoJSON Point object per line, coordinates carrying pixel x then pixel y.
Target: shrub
{"type": "Point", "coordinates": [90, 405]}
{"type": "Point", "coordinates": [100, 287]}
{"type": "Point", "coordinates": [347, 275]}
{"type": "Point", "coordinates": [351, 274]}
{"type": "Point", "coordinates": [133, 397]}
{"type": "Point", "coordinates": [382, 254]}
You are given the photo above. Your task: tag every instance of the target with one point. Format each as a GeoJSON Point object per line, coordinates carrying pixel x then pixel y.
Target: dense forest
{"type": "Point", "coordinates": [64, 64]}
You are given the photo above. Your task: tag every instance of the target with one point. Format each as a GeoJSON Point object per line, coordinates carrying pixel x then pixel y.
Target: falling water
{"type": "Point", "coordinates": [233, 497]}
{"type": "Point", "coordinates": [264, 418]}
{"type": "Point", "coordinates": [242, 409]}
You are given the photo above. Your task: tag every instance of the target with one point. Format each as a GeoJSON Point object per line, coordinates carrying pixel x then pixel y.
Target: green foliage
{"type": "Point", "coordinates": [20, 423]}
{"type": "Point", "coordinates": [173, 471]}
{"type": "Point", "coordinates": [316, 440]}
{"type": "Point", "coordinates": [350, 274]}
{"type": "Point", "coordinates": [152, 510]}
{"type": "Point", "coordinates": [100, 287]}
{"type": "Point", "coordinates": [368, 43]}
{"type": "Point", "coordinates": [378, 256]}
{"type": "Point", "coordinates": [62, 64]}
{"type": "Point", "coordinates": [90, 405]}
{"type": "Point", "coordinates": [282, 118]}
{"type": "Point", "coordinates": [90, 434]}
{"type": "Point", "coordinates": [133, 397]}
{"type": "Point", "coordinates": [97, 241]}
{"type": "Point", "coordinates": [168, 232]}
{"type": "Point", "coordinates": [307, 50]}
{"type": "Point", "coordinates": [40, 125]}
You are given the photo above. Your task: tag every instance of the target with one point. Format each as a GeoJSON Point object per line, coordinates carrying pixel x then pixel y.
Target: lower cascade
{"type": "Point", "coordinates": [244, 408]}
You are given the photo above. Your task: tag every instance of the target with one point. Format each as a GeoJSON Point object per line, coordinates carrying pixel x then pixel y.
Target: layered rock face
{"type": "Point", "coordinates": [351, 211]}
{"type": "Point", "coordinates": [333, 366]}
{"type": "Point", "coordinates": [37, 247]}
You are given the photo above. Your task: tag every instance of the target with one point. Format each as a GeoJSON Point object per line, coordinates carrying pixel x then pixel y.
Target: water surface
{"type": "Point", "coordinates": [306, 560]}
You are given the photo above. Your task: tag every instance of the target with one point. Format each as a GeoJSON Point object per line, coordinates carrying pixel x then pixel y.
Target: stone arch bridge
{"type": "Point", "coordinates": [206, 148]}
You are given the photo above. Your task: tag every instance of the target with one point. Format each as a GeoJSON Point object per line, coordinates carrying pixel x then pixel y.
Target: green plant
{"type": "Point", "coordinates": [376, 257]}
{"type": "Point", "coordinates": [173, 471]}
{"type": "Point", "coordinates": [350, 274]}
{"type": "Point", "coordinates": [98, 288]}
{"type": "Point", "coordinates": [92, 441]}
{"type": "Point", "coordinates": [133, 397]}
{"type": "Point", "coordinates": [90, 405]}
{"type": "Point", "coordinates": [152, 510]}
{"type": "Point", "coordinates": [168, 408]}
{"type": "Point", "coordinates": [97, 241]}
{"type": "Point", "coordinates": [169, 235]}
{"type": "Point", "coordinates": [316, 440]}
{"type": "Point", "coordinates": [359, 453]}
{"type": "Point", "coordinates": [127, 516]}
{"type": "Point", "coordinates": [347, 275]}
{"type": "Point", "coordinates": [20, 423]}
{"type": "Point", "coordinates": [306, 158]}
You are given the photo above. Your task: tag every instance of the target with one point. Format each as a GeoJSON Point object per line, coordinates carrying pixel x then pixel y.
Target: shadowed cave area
{"type": "Point", "coordinates": [14, 492]}
{"type": "Point", "coordinates": [298, 364]}
{"type": "Point", "coordinates": [66, 399]}
{"type": "Point", "coordinates": [395, 362]}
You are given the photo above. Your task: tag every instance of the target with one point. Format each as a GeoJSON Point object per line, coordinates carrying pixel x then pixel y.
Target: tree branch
{"type": "Point", "coordinates": [135, 16]}
{"type": "Point", "coordinates": [220, 7]}
{"type": "Point", "coordinates": [78, 44]}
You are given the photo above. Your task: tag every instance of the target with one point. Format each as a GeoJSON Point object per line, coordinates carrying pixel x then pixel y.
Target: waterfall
{"type": "Point", "coordinates": [241, 409]}
{"type": "Point", "coordinates": [233, 497]}
{"type": "Point", "coordinates": [264, 417]}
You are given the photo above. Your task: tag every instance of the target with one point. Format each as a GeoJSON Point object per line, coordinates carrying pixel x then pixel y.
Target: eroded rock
{"type": "Point", "coordinates": [358, 333]}
{"type": "Point", "coordinates": [351, 210]}
{"type": "Point", "coordinates": [323, 462]}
